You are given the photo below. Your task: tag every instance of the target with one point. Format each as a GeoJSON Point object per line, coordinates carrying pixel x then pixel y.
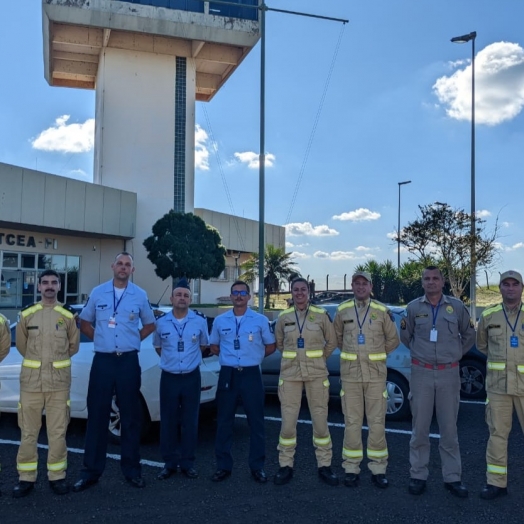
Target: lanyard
{"type": "Point", "coordinates": [365, 316]}
{"type": "Point", "coordinates": [434, 312]}
{"type": "Point", "coordinates": [179, 333]}
{"type": "Point", "coordinates": [238, 326]}
{"type": "Point", "coordinates": [516, 321]}
{"type": "Point", "coordinates": [301, 327]}
{"type": "Point", "coordinates": [116, 302]}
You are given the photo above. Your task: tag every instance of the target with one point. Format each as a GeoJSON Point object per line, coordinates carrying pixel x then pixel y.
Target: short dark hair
{"type": "Point", "coordinates": [432, 268]}
{"type": "Point", "coordinates": [240, 283]}
{"type": "Point", "coordinates": [48, 273]}
{"type": "Point", "coordinates": [297, 280]}
{"type": "Point", "coordinates": [125, 253]}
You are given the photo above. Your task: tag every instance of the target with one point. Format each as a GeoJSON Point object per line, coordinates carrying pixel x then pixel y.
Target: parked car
{"type": "Point", "coordinates": [472, 372]}
{"type": "Point", "coordinates": [81, 366]}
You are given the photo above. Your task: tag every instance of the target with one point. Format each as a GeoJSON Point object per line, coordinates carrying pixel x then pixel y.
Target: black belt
{"type": "Point", "coordinates": [240, 368]}
{"type": "Point", "coordinates": [117, 353]}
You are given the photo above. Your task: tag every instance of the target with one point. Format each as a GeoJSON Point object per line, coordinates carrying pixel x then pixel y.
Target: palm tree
{"type": "Point", "coordinates": [278, 267]}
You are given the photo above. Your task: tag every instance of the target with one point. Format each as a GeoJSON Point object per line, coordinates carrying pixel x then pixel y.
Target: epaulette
{"type": "Point", "coordinates": [288, 310]}
{"type": "Point", "coordinates": [317, 309]}
{"type": "Point", "coordinates": [492, 309]}
{"type": "Point", "coordinates": [29, 310]}
{"type": "Point", "coordinates": [345, 304]}
{"type": "Point", "coordinates": [158, 314]}
{"type": "Point", "coordinates": [66, 311]}
{"type": "Point", "coordinates": [2, 319]}
{"type": "Point", "coordinates": [199, 313]}
{"type": "Point", "coordinates": [375, 304]}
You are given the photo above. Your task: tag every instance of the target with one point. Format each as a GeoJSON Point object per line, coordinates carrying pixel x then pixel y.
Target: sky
{"type": "Point", "coordinates": [351, 110]}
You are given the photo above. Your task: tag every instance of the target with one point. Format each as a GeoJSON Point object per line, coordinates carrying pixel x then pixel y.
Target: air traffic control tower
{"type": "Point", "coordinates": [149, 61]}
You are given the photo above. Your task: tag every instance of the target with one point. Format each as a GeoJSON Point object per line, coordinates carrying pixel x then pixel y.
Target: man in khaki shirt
{"type": "Point", "coordinates": [500, 336]}
{"type": "Point", "coordinates": [366, 333]}
{"type": "Point", "coordinates": [47, 337]}
{"type": "Point", "coordinates": [305, 336]}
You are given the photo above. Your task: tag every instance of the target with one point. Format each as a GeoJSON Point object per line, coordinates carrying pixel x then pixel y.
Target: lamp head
{"type": "Point", "coordinates": [464, 38]}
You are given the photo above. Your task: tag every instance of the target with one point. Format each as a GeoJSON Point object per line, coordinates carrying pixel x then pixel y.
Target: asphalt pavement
{"type": "Point", "coordinates": [306, 499]}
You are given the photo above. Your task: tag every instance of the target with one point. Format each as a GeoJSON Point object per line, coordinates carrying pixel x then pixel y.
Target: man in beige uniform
{"type": "Point", "coordinates": [305, 336]}
{"type": "Point", "coordinates": [500, 336]}
{"type": "Point", "coordinates": [438, 331]}
{"type": "Point", "coordinates": [366, 333]}
{"type": "Point", "coordinates": [47, 337]}
{"type": "Point", "coordinates": [5, 341]}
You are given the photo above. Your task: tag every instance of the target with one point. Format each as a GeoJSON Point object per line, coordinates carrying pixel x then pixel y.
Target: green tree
{"type": "Point", "coordinates": [444, 234]}
{"type": "Point", "coordinates": [278, 267]}
{"type": "Point", "coordinates": [183, 245]}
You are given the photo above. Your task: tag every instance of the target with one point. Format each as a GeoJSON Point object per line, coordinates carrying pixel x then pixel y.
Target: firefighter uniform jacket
{"type": "Point", "coordinates": [47, 337]}
{"type": "Point", "coordinates": [319, 341]}
{"type": "Point", "coordinates": [5, 337]}
{"type": "Point", "coordinates": [505, 363]}
{"type": "Point", "coordinates": [365, 361]}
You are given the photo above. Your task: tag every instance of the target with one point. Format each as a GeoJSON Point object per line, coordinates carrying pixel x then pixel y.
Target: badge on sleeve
{"type": "Point", "coordinates": [403, 324]}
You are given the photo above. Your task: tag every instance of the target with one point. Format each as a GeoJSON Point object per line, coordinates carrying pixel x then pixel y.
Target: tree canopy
{"type": "Point", "coordinates": [278, 267]}
{"type": "Point", "coordinates": [442, 235]}
{"type": "Point", "coordinates": [183, 245]}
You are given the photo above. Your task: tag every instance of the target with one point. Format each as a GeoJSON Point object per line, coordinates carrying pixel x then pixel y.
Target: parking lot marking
{"type": "Point", "coordinates": [341, 425]}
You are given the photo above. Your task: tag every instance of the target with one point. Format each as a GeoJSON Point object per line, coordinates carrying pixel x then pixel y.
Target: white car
{"type": "Point", "coordinates": [81, 366]}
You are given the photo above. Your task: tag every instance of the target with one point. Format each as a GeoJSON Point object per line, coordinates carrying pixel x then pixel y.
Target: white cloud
{"type": "Point", "coordinates": [251, 159]}
{"type": "Point", "coordinates": [392, 235]}
{"type": "Point", "coordinates": [66, 138]}
{"type": "Point", "coordinates": [482, 213]}
{"type": "Point", "coordinates": [499, 86]}
{"type": "Point", "coordinates": [290, 244]}
{"type": "Point", "coordinates": [518, 245]}
{"type": "Point", "coordinates": [79, 174]}
{"type": "Point", "coordinates": [364, 248]}
{"type": "Point", "coordinates": [298, 254]}
{"type": "Point", "coordinates": [342, 255]}
{"type": "Point", "coordinates": [359, 215]}
{"type": "Point", "coordinates": [201, 149]}
{"type": "Point", "coordinates": [506, 224]}
{"type": "Point", "coordinates": [306, 228]}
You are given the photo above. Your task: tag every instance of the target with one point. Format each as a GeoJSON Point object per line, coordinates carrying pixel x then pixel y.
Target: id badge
{"type": "Point", "coordinates": [236, 343]}
{"type": "Point", "coordinates": [433, 334]}
{"type": "Point", "coordinates": [193, 338]}
{"type": "Point", "coordinates": [250, 338]}
{"type": "Point", "coordinates": [361, 338]}
{"type": "Point", "coordinates": [112, 323]}
{"type": "Point", "coordinates": [300, 343]}
{"type": "Point", "coordinates": [514, 341]}
{"type": "Point", "coordinates": [180, 346]}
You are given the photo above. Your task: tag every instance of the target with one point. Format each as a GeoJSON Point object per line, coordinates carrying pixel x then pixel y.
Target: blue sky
{"type": "Point", "coordinates": [397, 108]}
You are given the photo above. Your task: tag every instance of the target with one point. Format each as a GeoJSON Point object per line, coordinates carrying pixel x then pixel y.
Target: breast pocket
{"type": "Point", "coordinates": [452, 323]}
{"type": "Point", "coordinates": [130, 314]}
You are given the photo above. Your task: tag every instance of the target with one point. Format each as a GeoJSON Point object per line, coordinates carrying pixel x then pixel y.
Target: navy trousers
{"type": "Point", "coordinates": [179, 406]}
{"type": "Point", "coordinates": [121, 375]}
{"type": "Point", "coordinates": [244, 384]}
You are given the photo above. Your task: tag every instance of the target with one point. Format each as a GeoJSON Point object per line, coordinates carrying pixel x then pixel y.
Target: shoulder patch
{"type": "Point", "coordinates": [158, 314]}
{"type": "Point", "coordinates": [65, 310]}
{"type": "Point", "coordinates": [317, 309]}
{"type": "Point", "coordinates": [491, 309]}
{"type": "Point", "coordinates": [403, 324]}
{"type": "Point", "coordinates": [346, 304]}
{"type": "Point", "coordinates": [30, 310]}
{"type": "Point", "coordinates": [377, 305]}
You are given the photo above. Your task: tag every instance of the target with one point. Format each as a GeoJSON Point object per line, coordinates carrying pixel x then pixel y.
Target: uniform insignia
{"type": "Point", "coordinates": [32, 327]}
{"type": "Point", "coordinates": [403, 324]}
{"type": "Point", "coordinates": [449, 309]}
{"type": "Point", "coordinates": [373, 316]}
{"type": "Point", "coordinates": [289, 323]}
{"type": "Point", "coordinates": [348, 321]}
{"type": "Point", "coordinates": [60, 322]}
{"type": "Point", "coordinates": [311, 318]}
{"type": "Point", "coordinates": [199, 313]}
{"type": "Point", "coordinates": [158, 314]}
{"type": "Point", "coordinates": [494, 326]}
{"type": "Point", "coordinates": [421, 315]}
{"type": "Point", "coordinates": [471, 323]}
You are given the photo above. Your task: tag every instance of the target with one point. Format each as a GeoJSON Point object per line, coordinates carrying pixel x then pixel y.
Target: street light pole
{"type": "Point", "coordinates": [398, 229]}
{"type": "Point", "coordinates": [473, 230]}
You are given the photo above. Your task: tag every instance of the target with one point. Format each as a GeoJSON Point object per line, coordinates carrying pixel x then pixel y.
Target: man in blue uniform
{"type": "Point", "coordinates": [242, 339]}
{"type": "Point", "coordinates": [180, 337]}
{"type": "Point", "coordinates": [115, 308]}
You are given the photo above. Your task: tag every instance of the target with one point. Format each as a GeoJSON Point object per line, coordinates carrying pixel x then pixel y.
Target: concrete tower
{"type": "Point", "coordinates": [148, 61]}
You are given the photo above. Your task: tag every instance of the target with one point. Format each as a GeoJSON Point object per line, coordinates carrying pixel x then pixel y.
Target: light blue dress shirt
{"type": "Point", "coordinates": [192, 331]}
{"type": "Point", "coordinates": [253, 335]}
{"type": "Point", "coordinates": [130, 308]}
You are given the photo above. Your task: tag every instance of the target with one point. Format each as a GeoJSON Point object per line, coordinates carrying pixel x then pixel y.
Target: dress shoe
{"type": "Point", "coordinates": [59, 487]}
{"type": "Point", "coordinates": [220, 475]}
{"type": "Point", "coordinates": [190, 473]}
{"type": "Point", "coordinates": [136, 482]}
{"type": "Point", "coordinates": [259, 475]}
{"type": "Point", "coordinates": [83, 484]}
{"type": "Point", "coordinates": [380, 481]}
{"type": "Point", "coordinates": [417, 486]}
{"type": "Point", "coordinates": [351, 480]}
{"type": "Point", "coordinates": [22, 489]}
{"type": "Point", "coordinates": [166, 473]}
{"type": "Point", "coordinates": [490, 492]}
{"type": "Point", "coordinates": [328, 476]}
{"type": "Point", "coordinates": [283, 476]}
{"type": "Point", "coordinates": [457, 488]}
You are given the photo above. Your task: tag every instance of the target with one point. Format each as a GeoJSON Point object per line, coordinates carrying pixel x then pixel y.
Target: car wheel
{"type": "Point", "coordinates": [397, 388]}
{"type": "Point", "coordinates": [115, 426]}
{"type": "Point", "coordinates": [472, 379]}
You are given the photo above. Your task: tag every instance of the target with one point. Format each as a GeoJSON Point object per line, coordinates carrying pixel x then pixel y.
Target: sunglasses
{"type": "Point", "coordinates": [242, 293]}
